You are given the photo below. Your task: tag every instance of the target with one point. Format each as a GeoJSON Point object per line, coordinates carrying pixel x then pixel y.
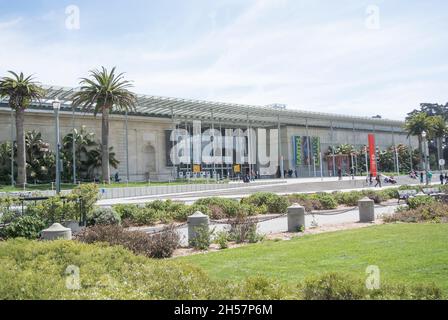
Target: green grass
{"type": "Point", "coordinates": [69, 186]}
{"type": "Point", "coordinates": [407, 253]}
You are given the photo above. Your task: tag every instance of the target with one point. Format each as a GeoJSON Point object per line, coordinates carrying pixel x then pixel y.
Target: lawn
{"type": "Point", "coordinates": [406, 253]}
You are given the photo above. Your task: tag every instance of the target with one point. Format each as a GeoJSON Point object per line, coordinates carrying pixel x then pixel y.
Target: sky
{"type": "Point", "coordinates": [352, 57]}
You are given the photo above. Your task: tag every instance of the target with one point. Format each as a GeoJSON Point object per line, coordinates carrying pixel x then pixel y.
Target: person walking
{"type": "Point", "coordinates": [340, 173]}
{"type": "Point", "coordinates": [378, 180]}
{"type": "Point", "coordinates": [422, 177]}
{"type": "Point", "coordinates": [442, 178]}
{"type": "Point", "coordinates": [429, 175]}
{"type": "Point", "coordinates": [446, 178]}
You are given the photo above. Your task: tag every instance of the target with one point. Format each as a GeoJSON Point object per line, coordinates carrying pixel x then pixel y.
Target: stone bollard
{"type": "Point", "coordinates": [57, 231]}
{"type": "Point", "coordinates": [366, 210]}
{"type": "Point", "coordinates": [197, 220]}
{"type": "Point", "coordinates": [296, 218]}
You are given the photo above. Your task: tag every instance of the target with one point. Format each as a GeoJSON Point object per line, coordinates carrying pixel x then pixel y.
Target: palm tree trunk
{"type": "Point", "coordinates": [105, 145]}
{"type": "Point", "coordinates": [21, 152]}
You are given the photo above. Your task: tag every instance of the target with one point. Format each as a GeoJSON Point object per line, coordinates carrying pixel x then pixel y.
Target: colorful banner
{"type": "Point", "coordinates": [298, 150]}
{"type": "Point", "coordinates": [315, 143]}
{"type": "Point", "coordinates": [372, 155]}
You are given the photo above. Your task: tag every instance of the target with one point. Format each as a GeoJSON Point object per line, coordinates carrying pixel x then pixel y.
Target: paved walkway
{"type": "Point", "coordinates": [306, 185]}
{"type": "Point", "coordinates": [280, 225]}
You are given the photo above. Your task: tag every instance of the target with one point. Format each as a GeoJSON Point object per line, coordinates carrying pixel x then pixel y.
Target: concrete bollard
{"type": "Point", "coordinates": [296, 218]}
{"type": "Point", "coordinates": [366, 210]}
{"type": "Point", "coordinates": [57, 231]}
{"type": "Point", "coordinates": [197, 220]}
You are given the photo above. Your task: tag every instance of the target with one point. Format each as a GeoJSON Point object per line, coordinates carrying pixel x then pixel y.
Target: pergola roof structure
{"type": "Point", "coordinates": [156, 106]}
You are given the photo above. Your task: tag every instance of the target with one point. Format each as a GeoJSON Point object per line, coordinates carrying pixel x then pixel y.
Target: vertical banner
{"type": "Point", "coordinates": [372, 155]}
{"type": "Point", "coordinates": [298, 150]}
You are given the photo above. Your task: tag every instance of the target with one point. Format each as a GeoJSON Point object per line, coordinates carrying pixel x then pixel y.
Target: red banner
{"type": "Point", "coordinates": [372, 155]}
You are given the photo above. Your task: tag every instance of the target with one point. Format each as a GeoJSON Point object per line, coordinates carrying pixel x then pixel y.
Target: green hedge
{"type": "Point", "coordinates": [41, 270]}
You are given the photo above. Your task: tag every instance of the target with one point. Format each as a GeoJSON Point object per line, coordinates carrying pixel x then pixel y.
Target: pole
{"type": "Point", "coordinates": [426, 162]}
{"type": "Point", "coordinates": [398, 161]}
{"type": "Point", "coordinates": [308, 148]}
{"type": "Point", "coordinates": [58, 161]}
{"type": "Point", "coordinates": [282, 173]}
{"type": "Point", "coordinates": [321, 167]}
{"type": "Point", "coordinates": [127, 146]}
{"type": "Point", "coordinates": [74, 146]}
{"type": "Point", "coordinates": [367, 162]}
{"type": "Point", "coordinates": [12, 148]}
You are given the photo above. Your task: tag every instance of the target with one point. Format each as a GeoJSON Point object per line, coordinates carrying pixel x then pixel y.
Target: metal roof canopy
{"type": "Point", "coordinates": [156, 106]}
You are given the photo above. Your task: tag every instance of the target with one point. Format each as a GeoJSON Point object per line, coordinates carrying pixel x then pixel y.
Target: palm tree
{"type": "Point", "coordinates": [415, 125]}
{"type": "Point", "coordinates": [21, 91]}
{"type": "Point", "coordinates": [104, 92]}
{"type": "Point", "coordinates": [437, 131]}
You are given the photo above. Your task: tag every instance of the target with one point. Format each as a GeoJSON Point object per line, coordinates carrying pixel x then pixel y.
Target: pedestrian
{"type": "Point", "coordinates": [442, 178]}
{"type": "Point", "coordinates": [446, 178]}
{"type": "Point", "coordinates": [370, 179]}
{"type": "Point", "coordinates": [429, 175]}
{"type": "Point", "coordinates": [378, 180]}
{"type": "Point", "coordinates": [422, 176]}
{"type": "Point", "coordinates": [296, 173]}
{"type": "Point", "coordinates": [339, 173]}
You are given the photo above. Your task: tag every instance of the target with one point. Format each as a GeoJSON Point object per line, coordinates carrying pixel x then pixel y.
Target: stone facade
{"type": "Point", "coordinates": [147, 137]}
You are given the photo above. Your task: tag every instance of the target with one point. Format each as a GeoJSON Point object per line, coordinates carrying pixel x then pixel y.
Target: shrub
{"type": "Point", "coordinates": [143, 216]}
{"type": "Point", "coordinates": [306, 201]}
{"type": "Point", "coordinates": [88, 195]}
{"type": "Point", "coordinates": [53, 210]}
{"type": "Point", "coordinates": [31, 270]}
{"type": "Point", "coordinates": [126, 211]}
{"type": "Point", "coordinates": [434, 212]}
{"type": "Point", "coordinates": [339, 286]}
{"type": "Point", "coordinates": [28, 227]}
{"type": "Point", "coordinates": [104, 216]}
{"type": "Point", "coordinates": [348, 198]}
{"type": "Point", "coordinates": [273, 202]}
{"type": "Point", "coordinates": [202, 239]}
{"type": "Point", "coordinates": [244, 229]}
{"type": "Point", "coordinates": [327, 201]}
{"type": "Point", "coordinates": [222, 207]}
{"type": "Point", "coordinates": [222, 239]}
{"type": "Point", "coordinates": [163, 244]}
{"type": "Point", "coordinates": [420, 201]}
{"type": "Point", "coordinates": [160, 245]}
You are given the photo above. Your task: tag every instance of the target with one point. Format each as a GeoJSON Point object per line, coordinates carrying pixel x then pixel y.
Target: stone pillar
{"type": "Point", "coordinates": [195, 221]}
{"type": "Point", "coordinates": [366, 210]}
{"type": "Point", "coordinates": [296, 218]}
{"type": "Point", "coordinates": [57, 231]}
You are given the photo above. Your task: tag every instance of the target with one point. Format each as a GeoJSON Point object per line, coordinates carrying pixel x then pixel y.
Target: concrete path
{"type": "Point", "coordinates": [280, 225]}
{"type": "Point", "coordinates": [307, 185]}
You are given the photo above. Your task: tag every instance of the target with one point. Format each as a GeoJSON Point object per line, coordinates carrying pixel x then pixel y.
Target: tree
{"type": "Point", "coordinates": [40, 160]}
{"type": "Point", "coordinates": [20, 91]}
{"type": "Point", "coordinates": [104, 92]}
{"type": "Point", "coordinates": [415, 124]}
{"type": "Point", "coordinates": [84, 143]}
{"type": "Point", "coordinates": [437, 131]}
{"type": "Point", "coordinates": [95, 159]}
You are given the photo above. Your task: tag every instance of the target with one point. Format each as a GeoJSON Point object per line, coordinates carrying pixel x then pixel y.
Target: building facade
{"type": "Point", "coordinates": [167, 138]}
